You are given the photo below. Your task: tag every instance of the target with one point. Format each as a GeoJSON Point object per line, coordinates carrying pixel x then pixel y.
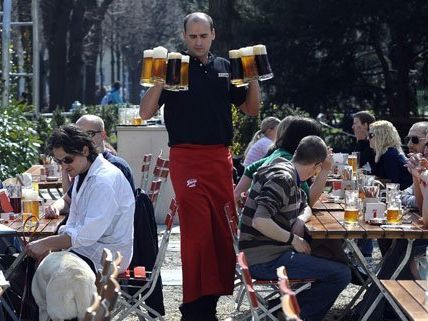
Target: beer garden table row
{"type": "Point", "coordinates": [327, 223]}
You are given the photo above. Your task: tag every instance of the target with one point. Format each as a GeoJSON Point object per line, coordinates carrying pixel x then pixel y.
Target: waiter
{"type": "Point", "coordinates": [199, 125]}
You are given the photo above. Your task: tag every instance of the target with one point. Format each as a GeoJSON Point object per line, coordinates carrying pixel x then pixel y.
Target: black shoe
{"type": "Point", "coordinates": [359, 277]}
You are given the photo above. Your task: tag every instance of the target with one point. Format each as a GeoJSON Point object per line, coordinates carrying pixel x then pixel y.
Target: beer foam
{"type": "Point", "coordinates": [247, 51]}
{"type": "Point", "coordinates": [260, 50]}
{"type": "Point", "coordinates": [148, 53]}
{"type": "Point", "coordinates": [234, 54]}
{"type": "Point", "coordinates": [185, 58]}
{"type": "Point", "coordinates": [174, 55]}
{"type": "Point", "coordinates": [160, 52]}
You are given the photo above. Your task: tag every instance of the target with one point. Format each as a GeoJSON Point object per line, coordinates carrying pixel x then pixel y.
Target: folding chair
{"type": "Point", "coordinates": [270, 286]}
{"type": "Point", "coordinates": [161, 169]}
{"type": "Point", "coordinates": [289, 303]}
{"type": "Point", "coordinates": [145, 167]}
{"type": "Point", "coordinates": [154, 191]}
{"type": "Point", "coordinates": [136, 302]}
{"type": "Point", "coordinates": [258, 304]}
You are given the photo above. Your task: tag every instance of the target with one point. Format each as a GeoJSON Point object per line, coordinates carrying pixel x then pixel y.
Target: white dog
{"type": "Point", "coordinates": [63, 287]}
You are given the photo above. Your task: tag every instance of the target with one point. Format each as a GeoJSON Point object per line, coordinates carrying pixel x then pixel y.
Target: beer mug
{"type": "Point", "coordinates": [352, 207]}
{"type": "Point", "coordinates": [159, 64]}
{"type": "Point", "coordinates": [173, 70]}
{"type": "Point", "coordinates": [30, 205]}
{"type": "Point", "coordinates": [248, 64]}
{"type": "Point", "coordinates": [393, 210]}
{"type": "Point", "coordinates": [15, 193]}
{"type": "Point", "coordinates": [392, 189]}
{"type": "Point", "coordinates": [236, 69]}
{"type": "Point", "coordinates": [263, 67]}
{"type": "Point", "coordinates": [353, 161]}
{"type": "Point", "coordinates": [146, 68]}
{"type": "Point", "coordinates": [184, 73]}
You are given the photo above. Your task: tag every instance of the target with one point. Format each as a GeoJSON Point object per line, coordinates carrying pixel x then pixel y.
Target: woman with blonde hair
{"type": "Point", "coordinates": [389, 157]}
{"type": "Point", "coordinates": [261, 141]}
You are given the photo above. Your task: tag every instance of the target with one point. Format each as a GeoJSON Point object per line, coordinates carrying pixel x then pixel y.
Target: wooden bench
{"type": "Point", "coordinates": [410, 296]}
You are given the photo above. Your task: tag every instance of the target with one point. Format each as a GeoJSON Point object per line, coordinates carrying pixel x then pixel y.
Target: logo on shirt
{"type": "Point", "coordinates": [223, 75]}
{"type": "Point", "coordinates": [191, 182]}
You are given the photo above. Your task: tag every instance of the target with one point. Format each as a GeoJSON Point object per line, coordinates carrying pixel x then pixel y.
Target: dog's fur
{"type": "Point", "coordinates": [63, 287]}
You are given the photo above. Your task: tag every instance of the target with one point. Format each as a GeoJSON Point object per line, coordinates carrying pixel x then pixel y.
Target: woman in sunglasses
{"type": "Point", "coordinates": [389, 157]}
{"type": "Point", "coordinates": [102, 205]}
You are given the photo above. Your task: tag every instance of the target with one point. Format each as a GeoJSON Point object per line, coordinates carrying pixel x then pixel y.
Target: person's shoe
{"type": "Point", "coordinates": [359, 276]}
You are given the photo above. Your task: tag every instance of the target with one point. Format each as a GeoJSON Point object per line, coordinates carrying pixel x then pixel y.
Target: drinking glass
{"type": "Point", "coordinates": [15, 194]}
{"type": "Point", "coordinates": [353, 161]}
{"type": "Point", "coordinates": [352, 207]}
{"type": "Point", "coordinates": [392, 189]}
{"type": "Point", "coordinates": [393, 211]}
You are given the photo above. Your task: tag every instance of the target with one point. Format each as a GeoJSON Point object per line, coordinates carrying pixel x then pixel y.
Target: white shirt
{"type": "Point", "coordinates": [258, 150]}
{"type": "Point", "coordinates": [102, 214]}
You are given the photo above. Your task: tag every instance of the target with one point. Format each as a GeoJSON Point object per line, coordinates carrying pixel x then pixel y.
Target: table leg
{"type": "Point", "coordinates": [354, 247]}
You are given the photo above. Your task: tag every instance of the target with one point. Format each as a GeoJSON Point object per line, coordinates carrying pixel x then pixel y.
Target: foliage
{"type": "Point", "coordinates": [245, 126]}
{"type": "Point", "coordinates": [19, 142]}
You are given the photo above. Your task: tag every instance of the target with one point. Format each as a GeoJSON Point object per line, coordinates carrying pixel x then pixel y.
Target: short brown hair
{"type": "Point", "coordinates": [365, 117]}
{"type": "Point", "coordinates": [311, 150]}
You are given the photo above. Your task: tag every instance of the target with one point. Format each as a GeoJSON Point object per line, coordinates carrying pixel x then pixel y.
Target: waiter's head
{"type": "Point", "coordinates": [198, 34]}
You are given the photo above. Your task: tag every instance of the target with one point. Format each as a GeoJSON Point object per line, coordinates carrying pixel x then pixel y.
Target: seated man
{"type": "Point", "coordinates": [272, 227]}
{"type": "Point", "coordinates": [102, 205]}
{"type": "Point", "coordinates": [94, 127]}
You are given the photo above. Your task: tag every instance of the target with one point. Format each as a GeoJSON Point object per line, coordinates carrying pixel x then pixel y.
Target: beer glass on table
{"type": "Point", "coordinates": [30, 206]}
{"type": "Point", "coordinates": [160, 55]}
{"type": "Point", "coordinates": [352, 207]}
{"type": "Point", "coordinates": [393, 210]}
{"type": "Point", "coordinates": [263, 67]}
{"type": "Point", "coordinates": [236, 69]}
{"type": "Point", "coordinates": [146, 68]}
{"type": "Point", "coordinates": [184, 73]}
{"type": "Point", "coordinates": [15, 193]}
{"type": "Point", "coordinates": [173, 71]}
{"type": "Point", "coordinates": [392, 189]}
{"type": "Point", "coordinates": [353, 161]}
{"type": "Point", "coordinates": [248, 64]}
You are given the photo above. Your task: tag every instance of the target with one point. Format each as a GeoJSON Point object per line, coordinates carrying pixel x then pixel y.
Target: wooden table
{"type": "Point", "coordinates": [328, 224]}
{"type": "Point", "coordinates": [410, 296]}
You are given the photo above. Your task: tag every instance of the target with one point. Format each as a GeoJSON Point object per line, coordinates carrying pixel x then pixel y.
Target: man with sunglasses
{"type": "Point", "coordinates": [94, 127]}
{"type": "Point", "coordinates": [102, 207]}
{"type": "Point", "coordinates": [268, 237]}
{"type": "Point", "coordinates": [415, 140]}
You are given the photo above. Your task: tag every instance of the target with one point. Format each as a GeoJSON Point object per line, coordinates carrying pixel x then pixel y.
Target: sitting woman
{"type": "Point", "coordinates": [389, 157]}
{"type": "Point", "coordinates": [261, 141]}
{"type": "Point", "coordinates": [291, 130]}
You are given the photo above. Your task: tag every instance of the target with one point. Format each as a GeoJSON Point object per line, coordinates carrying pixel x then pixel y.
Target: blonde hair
{"type": "Point", "coordinates": [267, 123]}
{"type": "Point", "coordinates": [281, 130]}
{"type": "Point", "coordinates": [385, 136]}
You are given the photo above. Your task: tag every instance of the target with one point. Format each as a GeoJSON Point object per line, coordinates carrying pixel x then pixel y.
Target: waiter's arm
{"type": "Point", "coordinates": [251, 105]}
{"type": "Point", "coordinates": [150, 101]}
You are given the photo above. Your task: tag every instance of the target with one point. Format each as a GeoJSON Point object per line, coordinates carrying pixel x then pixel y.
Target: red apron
{"type": "Point", "coordinates": [202, 179]}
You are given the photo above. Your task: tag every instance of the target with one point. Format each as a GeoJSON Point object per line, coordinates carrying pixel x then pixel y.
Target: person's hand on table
{"type": "Point", "coordinates": [51, 212]}
{"type": "Point", "coordinates": [298, 227]}
{"type": "Point", "coordinates": [300, 245]}
{"type": "Point", "coordinates": [37, 249]}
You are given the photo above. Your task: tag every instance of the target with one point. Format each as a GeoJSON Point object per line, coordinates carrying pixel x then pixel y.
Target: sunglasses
{"type": "Point", "coordinates": [370, 135]}
{"type": "Point", "coordinates": [414, 139]}
{"type": "Point", "coordinates": [92, 133]}
{"type": "Point", "coordinates": [66, 160]}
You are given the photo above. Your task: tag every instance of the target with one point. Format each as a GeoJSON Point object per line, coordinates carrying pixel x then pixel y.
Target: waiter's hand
{"type": "Point", "coordinates": [300, 245]}
{"type": "Point", "coordinates": [51, 212]}
{"type": "Point", "coordinates": [37, 249]}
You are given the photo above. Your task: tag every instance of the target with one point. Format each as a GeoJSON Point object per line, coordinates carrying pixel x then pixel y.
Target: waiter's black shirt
{"type": "Point", "coordinates": [203, 114]}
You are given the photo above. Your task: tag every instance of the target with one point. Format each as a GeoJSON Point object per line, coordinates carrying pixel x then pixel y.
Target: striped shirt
{"type": "Point", "coordinates": [274, 194]}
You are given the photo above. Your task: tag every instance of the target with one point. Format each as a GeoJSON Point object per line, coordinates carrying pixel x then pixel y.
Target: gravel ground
{"type": "Point", "coordinates": [226, 307]}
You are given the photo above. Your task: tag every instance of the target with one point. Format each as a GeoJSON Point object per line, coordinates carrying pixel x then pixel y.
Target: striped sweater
{"type": "Point", "coordinates": [274, 194]}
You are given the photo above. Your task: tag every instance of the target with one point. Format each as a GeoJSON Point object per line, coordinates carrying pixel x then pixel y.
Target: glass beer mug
{"type": "Point", "coordinates": [263, 67]}
{"type": "Point", "coordinates": [146, 68]}
{"type": "Point", "coordinates": [173, 71]}
{"type": "Point", "coordinates": [393, 211]}
{"type": "Point", "coordinates": [248, 64]}
{"type": "Point", "coordinates": [159, 64]}
{"type": "Point", "coordinates": [236, 69]}
{"type": "Point", "coordinates": [184, 73]}
{"type": "Point", "coordinates": [352, 207]}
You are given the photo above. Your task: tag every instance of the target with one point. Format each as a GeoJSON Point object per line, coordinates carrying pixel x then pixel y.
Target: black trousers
{"type": "Point", "coordinates": [202, 309]}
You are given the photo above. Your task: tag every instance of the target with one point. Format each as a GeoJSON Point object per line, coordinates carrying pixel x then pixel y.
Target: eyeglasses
{"type": "Point", "coordinates": [92, 133]}
{"type": "Point", "coordinates": [414, 139]}
{"type": "Point", "coordinates": [370, 135]}
{"type": "Point", "coordinates": [66, 160]}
